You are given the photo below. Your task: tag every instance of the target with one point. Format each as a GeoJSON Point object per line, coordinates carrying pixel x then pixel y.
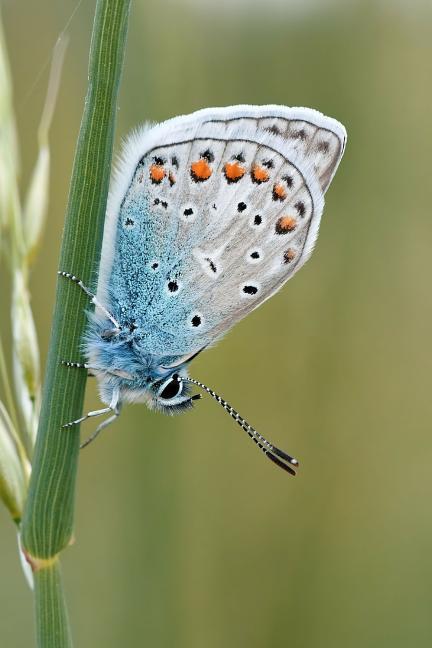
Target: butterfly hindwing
{"type": "Point", "coordinates": [210, 214]}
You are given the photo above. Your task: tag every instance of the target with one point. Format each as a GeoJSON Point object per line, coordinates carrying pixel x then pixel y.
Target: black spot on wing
{"type": "Point", "coordinates": [250, 290]}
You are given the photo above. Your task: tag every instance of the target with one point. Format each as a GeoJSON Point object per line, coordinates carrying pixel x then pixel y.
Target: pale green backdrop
{"type": "Point", "coordinates": [185, 536]}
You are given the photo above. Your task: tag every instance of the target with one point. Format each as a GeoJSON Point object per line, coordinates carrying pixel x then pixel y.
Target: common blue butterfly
{"type": "Point", "coordinates": [209, 215]}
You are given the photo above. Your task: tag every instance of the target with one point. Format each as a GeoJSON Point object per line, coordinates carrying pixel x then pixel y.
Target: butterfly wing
{"type": "Point", "coordinates": [209, 215]}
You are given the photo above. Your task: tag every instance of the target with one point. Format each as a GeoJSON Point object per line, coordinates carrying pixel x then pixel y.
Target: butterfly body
{"type": "Point", "coordinates": [124, 366]}
{"type": "Point", "coordinates": [209, 215]}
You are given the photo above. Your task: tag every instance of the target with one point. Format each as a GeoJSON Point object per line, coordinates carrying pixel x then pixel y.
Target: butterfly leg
{"type": "Point", "coordinates": [92, 297]}
{"type": "Point", "coordinates": [76, 365]}
{"type": "Point", "coordinates": [112, 407]}
{"type": "Point", "coordinates": [83, 365]}
{"type": "Point", "coordinates": [100, 427]}
{"type": "Point", "coordinates": [92, 414]}
{"type": "Point", "coordinates": [80, 365]}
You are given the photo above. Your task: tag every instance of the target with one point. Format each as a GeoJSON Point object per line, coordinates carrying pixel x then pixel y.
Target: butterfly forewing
{"type": "Point", "coordinates": [320, 138]}
{"type": "Point", "coordinates": [219, 210]}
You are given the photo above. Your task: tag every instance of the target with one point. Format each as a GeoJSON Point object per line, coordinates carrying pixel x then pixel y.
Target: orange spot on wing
{"type": "Point", "coordinates": [279, 192]}
{"type": "Point", "coordinates": [201, 170]}
{"type": "Point", "coordinates": [259, 174]}
{"type": "Point", "coordinates": [289, 255]}
{"type": "Point", "coordinates": [157, 173]}
{"type": "Point", "coordinates": [233, 171]}
{"type": "Point", "coordinates": [285, 224]}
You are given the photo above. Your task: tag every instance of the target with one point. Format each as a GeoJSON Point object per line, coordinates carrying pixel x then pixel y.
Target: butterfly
{"type": "Point", "coordinates": [209, 214]}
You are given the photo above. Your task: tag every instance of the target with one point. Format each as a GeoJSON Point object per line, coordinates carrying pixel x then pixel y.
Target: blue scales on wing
{"type": "Point", "coordinates": [212, 216]}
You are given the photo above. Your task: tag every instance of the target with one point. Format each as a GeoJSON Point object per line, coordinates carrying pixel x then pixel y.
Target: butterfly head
{"type": "Point", "coordinates": [168, 393]}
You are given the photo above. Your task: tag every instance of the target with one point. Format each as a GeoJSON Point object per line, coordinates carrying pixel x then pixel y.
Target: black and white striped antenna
{"type": "Point", "coordinates": [279, 457]}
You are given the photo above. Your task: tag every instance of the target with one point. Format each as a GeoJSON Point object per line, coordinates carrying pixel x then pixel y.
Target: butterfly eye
{"type": "Point", "coordinates": [171, 389]}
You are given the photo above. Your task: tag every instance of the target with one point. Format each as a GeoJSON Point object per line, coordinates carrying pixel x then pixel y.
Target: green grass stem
{"type": "Point", "coordinates": [49, 512]}
{"type": "Point", "coordinates": [52, 622]}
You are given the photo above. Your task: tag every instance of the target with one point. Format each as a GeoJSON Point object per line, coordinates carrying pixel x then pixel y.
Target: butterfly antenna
{"type": "Point", "coordinates": [279, 457]}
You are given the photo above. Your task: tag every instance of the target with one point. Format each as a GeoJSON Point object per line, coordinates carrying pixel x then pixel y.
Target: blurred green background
{"type": "Point", "coordinates": [185, 535]}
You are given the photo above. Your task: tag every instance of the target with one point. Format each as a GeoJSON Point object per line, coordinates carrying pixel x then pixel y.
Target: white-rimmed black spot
{"type": "Point", "coordinates": [255, 255]}
{"type": "Point", "coordinates": [196, 321]}
{"type": "Point", "coordinates": [288, 179]}
{"type": "Point", "coordinates": [300, 206]}
{"type": "Point", "coordinates": [300, 134]}
{"type": "Point", "coordinates": [173, 286]}
{"type": "Point", "coordinates": [274, 129]}
{"type": "Point", "coordinates": [323, 146]}
{"type": "Point", "coordinates": [241, 207]}
{"type": "Point", "coordinates": [154, 265]}
{"type": "Point", "coordinates": [162, 203]}
{"type": "Point", "coordinates": [188, 211]}
{"type": "Point", "coordinates": [208, 155]}
{"type": "Point", "coordinates": [212, 264]}
{"type": "Point", "coordinates": [250, 290]}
